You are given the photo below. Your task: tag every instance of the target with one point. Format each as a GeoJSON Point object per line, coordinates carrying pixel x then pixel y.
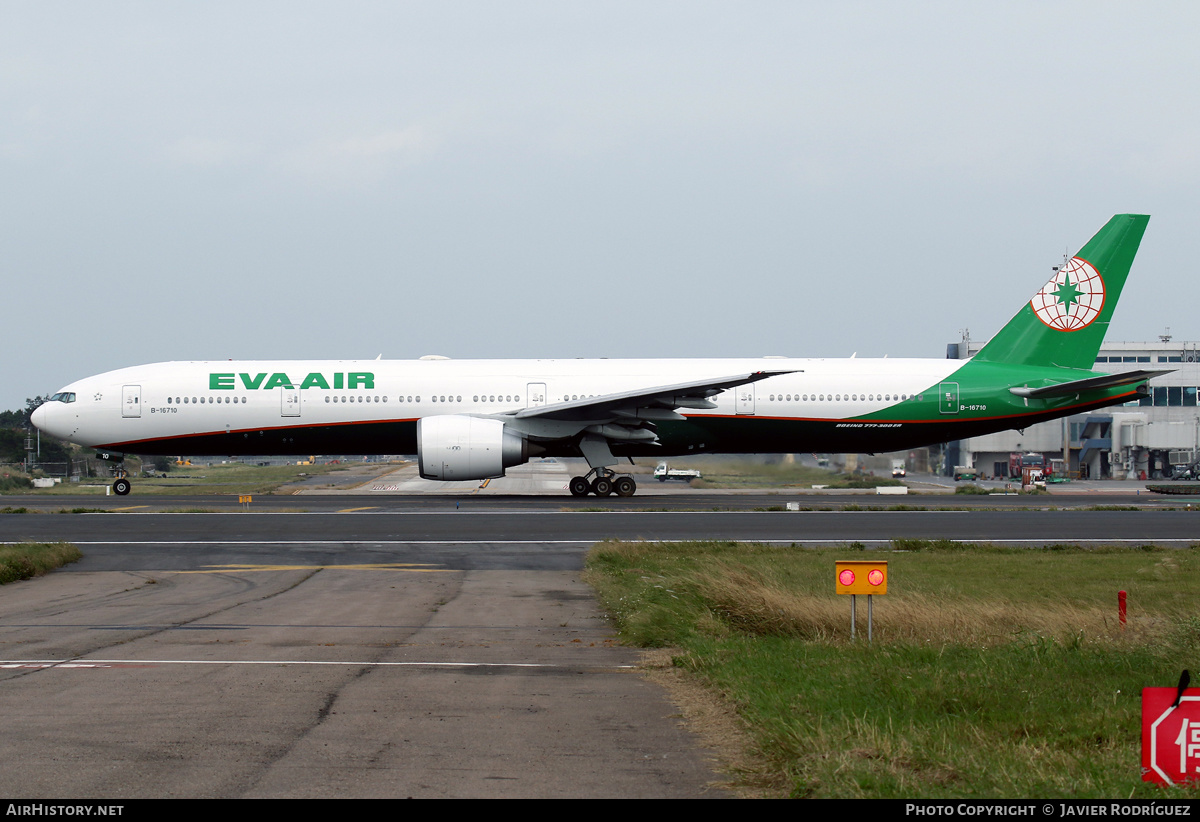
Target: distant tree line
{"type": "Point", "coordinates": [15, 426]}
{"type": "Point", "coordinates": [20, 419]}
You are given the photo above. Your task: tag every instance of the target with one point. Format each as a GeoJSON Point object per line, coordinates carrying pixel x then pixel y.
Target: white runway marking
{"type": "Point", "coordinates": [826, 541]}
{"type": "Point", "coordinates": [112, 663]}
{"type": "Point", "coordinates": [348, 542]}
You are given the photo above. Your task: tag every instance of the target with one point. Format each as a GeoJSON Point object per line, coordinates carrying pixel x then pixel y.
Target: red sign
{"type": "Point", "coordinates": [1170, 736]}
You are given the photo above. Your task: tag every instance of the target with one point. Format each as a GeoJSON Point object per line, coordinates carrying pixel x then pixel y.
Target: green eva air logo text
{"type": "Point", "coordinates": [228, 382]}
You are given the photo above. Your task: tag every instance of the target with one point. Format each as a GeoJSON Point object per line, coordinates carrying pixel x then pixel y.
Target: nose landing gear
{"type": "Point", "coordinates": [121, 486]}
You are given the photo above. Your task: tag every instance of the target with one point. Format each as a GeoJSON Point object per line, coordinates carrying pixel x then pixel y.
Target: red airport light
{"type": "Point", "coordinates": [868, 577]}
{"type": "Point", "coordinates": [862, 577]}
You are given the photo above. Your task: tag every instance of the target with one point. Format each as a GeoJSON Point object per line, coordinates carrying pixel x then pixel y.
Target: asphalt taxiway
{"type": "Point", "coordinates": [251, 666]}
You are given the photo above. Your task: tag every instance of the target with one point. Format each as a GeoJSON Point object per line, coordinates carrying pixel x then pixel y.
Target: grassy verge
{"type": "Point", "coordinates": [233, 478]}
{"type": "Point", "coordinates": [994, 673]}
{"type": "Point", "coordinates": [727, 473]}
{"type": "Point", "coordinates": [32, 559]}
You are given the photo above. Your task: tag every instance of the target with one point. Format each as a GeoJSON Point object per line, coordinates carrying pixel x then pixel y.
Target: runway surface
{"type": "Point", "coordinates": [476, 539]}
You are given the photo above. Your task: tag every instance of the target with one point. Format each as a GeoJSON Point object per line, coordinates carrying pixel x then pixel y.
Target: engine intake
{"type": "Point", "coordinates": [461, 447]}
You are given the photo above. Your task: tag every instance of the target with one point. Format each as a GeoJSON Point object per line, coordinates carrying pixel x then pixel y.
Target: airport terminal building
{"type": "Point", "coordinates": [1157, 437]}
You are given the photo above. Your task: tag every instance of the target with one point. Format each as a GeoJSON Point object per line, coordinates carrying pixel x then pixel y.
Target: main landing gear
{"type": "Point", "coordinates": [606, 482]}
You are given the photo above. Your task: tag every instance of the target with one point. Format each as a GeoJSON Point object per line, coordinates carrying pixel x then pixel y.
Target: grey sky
{"type": "Point", "coordinates": [337, 180]}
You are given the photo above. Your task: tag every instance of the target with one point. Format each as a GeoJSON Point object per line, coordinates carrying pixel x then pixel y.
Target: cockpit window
{"type": "Point", "coordinates": [63, 396]}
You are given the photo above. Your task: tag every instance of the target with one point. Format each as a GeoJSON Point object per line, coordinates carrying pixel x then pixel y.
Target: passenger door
{"type": "Point", "coordinates": [535, 395]}
{"type": "Point", "coordinates": [948, 398]}
{"type": "Point", "coordinates": [289, 402]}
{"type": "Point", "coordinates": [745, 398]}
{"type": "Point", "coordinates": [131, 401]}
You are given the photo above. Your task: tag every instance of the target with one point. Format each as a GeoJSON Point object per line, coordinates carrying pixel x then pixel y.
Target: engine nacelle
{"type": "Point", "coordinates": [460, 447]}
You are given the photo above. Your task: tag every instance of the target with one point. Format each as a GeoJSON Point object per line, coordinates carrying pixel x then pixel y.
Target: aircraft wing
{"type": "Point", "coordinates": [661, 397]}
{"type": "Point", "coordinates": [626, 416]}
{"type": "Point", "coordinates": [1066, 389]}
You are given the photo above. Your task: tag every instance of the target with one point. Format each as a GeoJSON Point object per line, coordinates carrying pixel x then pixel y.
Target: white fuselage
{"type": "Point", "coordinates": [162, 407]}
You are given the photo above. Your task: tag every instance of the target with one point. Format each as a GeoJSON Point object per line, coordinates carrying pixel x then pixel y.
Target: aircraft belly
{"type": "Point", "coordinates": [391, 437]}
{"type": "Point", "coordinates": [760, 435]}
{"type": "Point", "coordinates": [696, 434]}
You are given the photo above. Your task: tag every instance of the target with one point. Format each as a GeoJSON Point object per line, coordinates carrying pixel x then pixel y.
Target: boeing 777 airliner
{"type": "Point", "coordinates": [472, 419]}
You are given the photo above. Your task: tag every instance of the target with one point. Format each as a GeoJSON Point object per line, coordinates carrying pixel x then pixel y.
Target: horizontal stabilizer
{"type": "Point", "coordinates": [1066, 389]}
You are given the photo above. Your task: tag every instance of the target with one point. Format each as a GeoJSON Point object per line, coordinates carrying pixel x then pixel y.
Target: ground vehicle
{"type": "Point", "coordinates": [1184, 465]}
{"type": "Point", "coordinates": [1019, 463]}
{"type": "Point", "coordinates": [664, 472]}
{"type": "Point", "coordinates": [898, 469]}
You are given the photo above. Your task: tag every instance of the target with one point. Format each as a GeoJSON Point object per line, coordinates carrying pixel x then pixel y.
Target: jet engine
{"type": "Point", "coordinates": [462, 447]}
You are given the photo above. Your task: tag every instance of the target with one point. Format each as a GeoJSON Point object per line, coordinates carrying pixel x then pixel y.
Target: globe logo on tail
{"type": "Point", "coordinates": [1072, 299]}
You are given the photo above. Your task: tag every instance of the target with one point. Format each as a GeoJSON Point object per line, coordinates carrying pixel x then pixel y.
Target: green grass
{"type": "Point", "coordinates": [31, 559]}
{"type": "Point", "coordinates": [996, 672]}
{"type": "Point", "coordinates": [726, 473]}
{"type": "Point", "coordinates": [971, 489]}
{"type": "Point", "coordinates": [14, 483]}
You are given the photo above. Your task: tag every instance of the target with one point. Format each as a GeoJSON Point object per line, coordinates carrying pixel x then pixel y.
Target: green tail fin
{"type": "Point", "coordinates": [1065, 322]}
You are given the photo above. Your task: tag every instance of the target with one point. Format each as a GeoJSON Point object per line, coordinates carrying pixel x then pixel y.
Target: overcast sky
{"type": "Point", "coordinates": [339, 180]}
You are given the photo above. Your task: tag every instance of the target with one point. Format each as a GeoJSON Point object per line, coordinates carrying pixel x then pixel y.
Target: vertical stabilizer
{"type": "Point", "coordinates": [1065, 322]}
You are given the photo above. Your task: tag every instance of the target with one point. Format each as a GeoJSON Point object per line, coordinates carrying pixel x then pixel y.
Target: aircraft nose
{"type": "Point", "coordinates": [49, 419]}
{"type": "Point", "coordinates": [39, 416]}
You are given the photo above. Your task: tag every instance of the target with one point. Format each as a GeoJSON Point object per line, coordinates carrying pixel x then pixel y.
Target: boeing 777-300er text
{"type": "Point", "coordinates": [472, 419]}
